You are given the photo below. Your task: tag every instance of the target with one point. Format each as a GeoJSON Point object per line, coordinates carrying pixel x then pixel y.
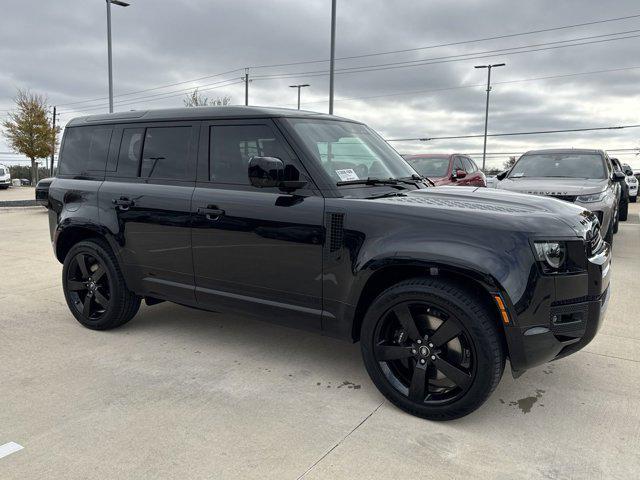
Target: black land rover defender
{"type": "Point", "coordinates": [314, 222]}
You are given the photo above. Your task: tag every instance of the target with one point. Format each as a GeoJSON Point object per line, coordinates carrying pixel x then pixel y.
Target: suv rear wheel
{"type": "Point", "coordinates": [432, 348]}
{"type": "Point", "coordinates": [94, 286]}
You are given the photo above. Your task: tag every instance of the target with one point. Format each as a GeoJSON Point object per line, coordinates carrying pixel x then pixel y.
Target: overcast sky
{"type": "Point", "coordinates": [58, 48]}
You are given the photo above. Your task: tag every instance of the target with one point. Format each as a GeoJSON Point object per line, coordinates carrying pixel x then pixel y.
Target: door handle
{"type": "Point", "coordinates": [211, 212]}
{"type": "Point", "coordinates": [123, 203]}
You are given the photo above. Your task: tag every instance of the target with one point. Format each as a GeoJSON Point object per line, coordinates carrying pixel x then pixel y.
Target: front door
{"type": "Point", "coordinates": [146, 202]}
{"type": "Point", "coordinates": [255, 250]}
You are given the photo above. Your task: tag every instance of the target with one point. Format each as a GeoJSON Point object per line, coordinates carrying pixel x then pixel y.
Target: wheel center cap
{"type": "Point", "coordinates": [424, 351]}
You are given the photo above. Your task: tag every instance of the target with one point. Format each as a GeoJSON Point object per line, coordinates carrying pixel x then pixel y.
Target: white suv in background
{"type": "Point", "coordinates": [632, 181]}
{"type": "Point", "coordinates": [5, 177]}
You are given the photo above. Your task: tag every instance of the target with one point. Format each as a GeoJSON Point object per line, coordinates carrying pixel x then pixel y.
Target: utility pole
{"type": "Point", "coordinates": [299, 87]}
{"type": "Point", "coordinates": [53, 147]}
{"type": "Point", "coordinates": [246, 86]}
{"type": "Point", "coordinates": [333, 54]}
{"type": "Point", "coordinates": [486, 113]}
{"type": "Point", "coordinates": [122, 4]}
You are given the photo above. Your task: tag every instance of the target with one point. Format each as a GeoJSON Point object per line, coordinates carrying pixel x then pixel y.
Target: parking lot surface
{"type": "Point", "coordinates": [179, 393]}
{"type": "Point", "coordinates": [12, 194]}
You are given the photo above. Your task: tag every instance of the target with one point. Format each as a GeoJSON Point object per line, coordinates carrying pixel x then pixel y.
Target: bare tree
{"type": "Point", "coordinates": [195, 99]}
{"type": "Point", "coordinates": [28, 129]}
{"type": "Point", "coordinates": [509, 163]}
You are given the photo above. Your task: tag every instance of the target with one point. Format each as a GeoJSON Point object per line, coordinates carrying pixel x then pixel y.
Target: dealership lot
{"type": "Point", "coordinates": [179, 393]}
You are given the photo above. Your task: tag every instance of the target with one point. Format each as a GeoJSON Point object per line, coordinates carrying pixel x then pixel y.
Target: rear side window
{"type": "Point", "coordinates": [85, 149]}
{"type": "Point", "coordinates": [231, 148]}
{"type": "Point", "coordinates": [166, 153]}
{"type": "Point", "coordinates": [130, 149]}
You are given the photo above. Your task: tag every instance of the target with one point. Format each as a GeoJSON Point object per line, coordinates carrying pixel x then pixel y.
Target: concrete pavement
{"type": "Point", "coordinates": [179, 393]}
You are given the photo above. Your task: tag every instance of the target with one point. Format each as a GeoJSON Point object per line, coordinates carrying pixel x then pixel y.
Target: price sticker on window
{"type": "Point", "coordinates": [347, 174]}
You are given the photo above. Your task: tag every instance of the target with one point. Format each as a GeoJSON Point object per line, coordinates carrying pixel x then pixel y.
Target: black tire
{"type": "Point", "coordinates": [481, 357]}
{"type": "Point", "coordinates": [94, 287]}
{"type": "Point", "coordinates": [633, 199]}
{"type": "Point", "coordinates": [623, 213]}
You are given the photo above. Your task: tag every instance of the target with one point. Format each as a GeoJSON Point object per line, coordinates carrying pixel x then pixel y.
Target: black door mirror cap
{"type": "Point", "coordinates": [502, 175]}
{"type": "Point", "coordinates": [618, 176]}
{"type": "Point", "coordinates": [269, 172]}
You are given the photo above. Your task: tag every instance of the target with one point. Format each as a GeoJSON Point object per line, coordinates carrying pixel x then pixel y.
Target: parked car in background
{"type": "Point", "coordinates": [632, 182]}
{"type": "Point", "coordinates": [580, 176]}
{"type": "Point", "coordinates": [5, 177]}
{"type": "Point", "coordinates": [25, 182]}
{"type": "Point", "coordinates": [315, 222]}
{"type": "Point", "coordinates": [623, 204]}
{"type": "Point", "coordinates": [448, 169]}
{"type": "Point", "coordinates": [42, 191]}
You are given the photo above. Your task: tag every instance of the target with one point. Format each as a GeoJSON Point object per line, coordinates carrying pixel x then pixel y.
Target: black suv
{"type": "Point", "coordinates": [314, 222]}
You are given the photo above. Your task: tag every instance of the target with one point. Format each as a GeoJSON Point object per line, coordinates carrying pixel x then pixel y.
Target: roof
{"type": "Point", "coordinates": [197, 113]}
{"type": "Point", "coordinates": [565, 150]}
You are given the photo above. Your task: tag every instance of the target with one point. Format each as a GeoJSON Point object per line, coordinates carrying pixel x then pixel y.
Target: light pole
{"type": "Point", "coordinates": [333, 54]}
{"type": "Point", "coordinates": [122, 4]}
{"type": "Point", "coordinates": [486, 113]}
{"type": "Point", "coordinates": [299, 87]}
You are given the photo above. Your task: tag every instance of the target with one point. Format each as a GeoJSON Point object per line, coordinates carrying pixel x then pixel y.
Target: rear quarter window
{"type": "Point", "coordinates": [85, 150]}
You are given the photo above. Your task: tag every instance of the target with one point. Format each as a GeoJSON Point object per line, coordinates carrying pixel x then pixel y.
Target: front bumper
{"type": "Point", "coordinates": [570, 323]}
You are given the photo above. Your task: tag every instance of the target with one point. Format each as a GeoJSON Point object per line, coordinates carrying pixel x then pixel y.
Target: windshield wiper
{"type": "Point", "coordinates": [369, 181]}
{"type": "Point", "coordinates": [416, 178]}
{"type": "Point", "coordinates": [388, 194]}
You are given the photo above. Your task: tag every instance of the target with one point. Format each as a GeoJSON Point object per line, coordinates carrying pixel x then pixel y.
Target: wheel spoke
{"type": "Point", "coordinates": [417, 389]}
{"type": "Point", "coordinates": [86, 307]}
{"type": "Point", "coordinates": [407, 321]}
{"type": "Point", "coordinates": [453, 373]}
{"type": "Point", "coordinates": [97, 275]}
{"type": "Point", "coordinates": [385, 353]}
{"type": "Point", "coordinates": [75, 286]}
{"type": "Point", "coordinates": [101, 299]}
{"type": "Point", "coordinates": [81, 259]}
{"type": "Point", "coordinates": [445, 332]}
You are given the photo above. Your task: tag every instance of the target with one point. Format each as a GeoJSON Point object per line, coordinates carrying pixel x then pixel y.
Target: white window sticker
{"type": "Point", "coordinates": [347, 174]}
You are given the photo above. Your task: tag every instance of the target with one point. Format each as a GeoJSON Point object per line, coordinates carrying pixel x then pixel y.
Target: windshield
{"type": "Point", "coordinates": [569, 165]}
{"type": "Point", "coordinates": [430, 167]}
{"type": "Point", "coordinates": [350, 151]}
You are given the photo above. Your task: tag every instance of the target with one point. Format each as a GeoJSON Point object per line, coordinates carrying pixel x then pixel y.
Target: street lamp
{"type": "Point", "coordinates": [332, 60]}
{"type": "Point", "coordinates": [121, 4]}
{"type": "Point", "coordinates": [486, 113]}
{"type": "Point", "coordinates": [299, 87]}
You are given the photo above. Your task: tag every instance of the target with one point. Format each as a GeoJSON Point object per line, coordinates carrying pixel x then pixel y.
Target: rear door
{"type": "Point", "coordinates": [146, 202]}
{"type": "Point", "coordinates": [255, 250]}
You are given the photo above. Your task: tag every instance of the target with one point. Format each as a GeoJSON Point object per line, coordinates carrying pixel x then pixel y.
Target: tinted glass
{"type": "Point", "coordinates": [85, 149]}
{"type": "Point", "coordinates": [166, 152]}
{"type": "Point", "coordinates": [130, 148]}
{"type": "Point", "coordinates": [569, 165]}
{"type": "Point", "coordinates": [1, 171]}
{"type": "Point", "coordinates": [231, 148]}
{"type": "Point", "coordinates": [431, 167]}
{"type": "Point", "coordinates": [350, 151]}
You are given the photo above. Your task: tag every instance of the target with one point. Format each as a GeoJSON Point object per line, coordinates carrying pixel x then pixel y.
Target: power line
{"type": "Point", "coordinates": [463, 42]}
{"type": "Point", "coordinates": [509, 134]}
{"type": "Point", "coordinates": [444, 59]}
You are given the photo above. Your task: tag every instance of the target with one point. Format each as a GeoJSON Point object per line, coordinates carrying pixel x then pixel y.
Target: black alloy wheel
{"type": "Point", "coordinates": [432, 347]}
{"type": "Point", "coordinates": [87, 282]}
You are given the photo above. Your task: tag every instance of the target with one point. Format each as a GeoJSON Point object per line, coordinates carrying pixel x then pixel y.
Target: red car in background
{"type": "Point", "coordinates": [448, 169]}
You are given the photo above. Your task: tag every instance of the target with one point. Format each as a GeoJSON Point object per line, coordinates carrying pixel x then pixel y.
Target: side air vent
{"type": "Point", "coordinates": [335, 227]}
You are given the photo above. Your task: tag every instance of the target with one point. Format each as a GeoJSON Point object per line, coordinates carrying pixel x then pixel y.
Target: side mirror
{"type": "Point", "coordinates": [459, 174]}
{"type": "Point", "coordinates": [618, 176]}
{"type": "Point", "coordinates": [266, 172]}
{"type": "Point", "coordinates": [502, 175]}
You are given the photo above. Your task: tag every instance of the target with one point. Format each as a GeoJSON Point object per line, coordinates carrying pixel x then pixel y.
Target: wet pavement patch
{"type": "Point", "coordinates": [526, 404]}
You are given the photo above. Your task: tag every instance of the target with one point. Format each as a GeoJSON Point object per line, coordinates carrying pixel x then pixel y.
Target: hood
{"type": "Point", "coordinates": [498, 209]}
{"type": "Point", "coordinates": [553, 186]}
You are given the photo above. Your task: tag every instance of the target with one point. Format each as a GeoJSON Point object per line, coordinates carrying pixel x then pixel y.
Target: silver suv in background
{"type": "Point", "coordinates": [632, 182]}
{"type": "Point", "coordinates": [5, 177]}
{"type": "Point", "coordinates": [584, 177]}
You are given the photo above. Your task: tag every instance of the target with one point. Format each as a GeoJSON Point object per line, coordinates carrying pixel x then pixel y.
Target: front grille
{"type": "Point", "coordinates": [566, 198]}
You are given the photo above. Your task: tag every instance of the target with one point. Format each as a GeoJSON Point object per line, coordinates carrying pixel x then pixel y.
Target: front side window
{"type": "Point", "coordinates": [85, 149]}
{"type": "Point", "coordinates": [470, 166]}
{"type": "Point", "coordinates": [166, 153]}
{"type": "Point", "coordinates": [457, 164]}
{"type": "Point", "coordinates": [430, 167]}
{"type": "Point", "coordinates": [232, 146]}
{"type": "Point", "coordinates": [567, 165]}
{"type": "Point", "coordinates": [350, 151]}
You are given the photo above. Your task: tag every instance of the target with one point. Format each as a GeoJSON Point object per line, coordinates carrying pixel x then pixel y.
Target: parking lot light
{"type": "Point", "coordinates": [121, 4]}
{"type": "Point", "coordinates": [486, 113]}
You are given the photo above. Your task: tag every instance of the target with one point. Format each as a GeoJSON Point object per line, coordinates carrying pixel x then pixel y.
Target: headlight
{"type": "Point", "coordinates": [552, 255]}
{"type": "Point", "coordinates": [594, 197]}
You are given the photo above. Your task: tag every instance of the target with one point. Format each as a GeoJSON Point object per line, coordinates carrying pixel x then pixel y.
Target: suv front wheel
{"type": "Point", "coordinates": [432, 348]}
{"type": "Point", "coordinates": [94, 287]}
